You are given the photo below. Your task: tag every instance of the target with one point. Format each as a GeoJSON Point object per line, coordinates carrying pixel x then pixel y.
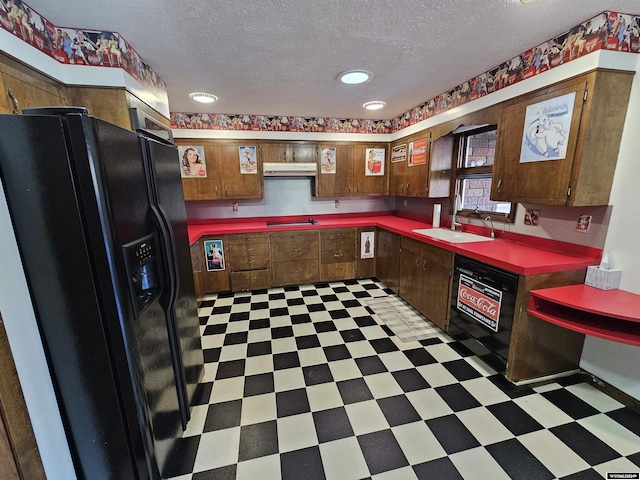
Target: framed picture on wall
{"type": "Point", "coordinates": [214, 253]}
{"type": "Point", "coordinates": [192, 162]}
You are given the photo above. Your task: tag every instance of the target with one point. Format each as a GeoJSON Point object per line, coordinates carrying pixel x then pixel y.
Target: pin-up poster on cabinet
{"type": "Point", "coordinates": [192, 162]}
{"type": "Point", "coordinates": [374, 162]}
{"type": "Point", "coordinates": [248, 162]}
{"type": "Point", "coordinates": [215, 255]}
{"type": "Point", "coordinates": [547, 127]}
{"type": "Point", "coordinates": [328, 160]}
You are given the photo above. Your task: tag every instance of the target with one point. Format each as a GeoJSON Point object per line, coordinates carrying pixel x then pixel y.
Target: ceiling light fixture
{"type": "Point", "coordinates": [353, 77]}
{"type": "Point", "coordinates": [203, 97]}
{"type": "Point", "coordinates": [530, 1]}
{"type": "Point", "coordinates": [375, 105]}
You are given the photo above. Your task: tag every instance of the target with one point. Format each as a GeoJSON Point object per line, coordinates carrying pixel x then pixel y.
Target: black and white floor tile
{"type": "Point", "coordinates": [304, 383]}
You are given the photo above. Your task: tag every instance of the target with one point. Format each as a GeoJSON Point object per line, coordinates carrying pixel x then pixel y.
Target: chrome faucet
{"type": "Point", "coordinates": [489, 219]}
{"type": "Point", "coordinates": [456, 207]}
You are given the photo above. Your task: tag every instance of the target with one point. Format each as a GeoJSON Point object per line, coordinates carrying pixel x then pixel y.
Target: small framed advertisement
{"type": "Point", "coordinates": [248, 162]}
{"type": "Point", "coordinates": [192, 162]}
{"type": "Point", "coordinates": [374, 162]}
{"type": "Point", "coordinates": [547, 126]}
{"type": "Point", "coordinates": [418, 152]}
{"type": "Point", "coordinates": [214, 253]}
{"type": "Point", "coordinates": [399, 153]}
{"type": "Point", "coordinates": [367, 244]}
{"type": "Point", "coordinates": [328, 160]}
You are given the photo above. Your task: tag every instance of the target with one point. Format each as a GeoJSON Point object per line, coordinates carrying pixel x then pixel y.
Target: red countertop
{"type": "Point", "coordinates": [516, 253]}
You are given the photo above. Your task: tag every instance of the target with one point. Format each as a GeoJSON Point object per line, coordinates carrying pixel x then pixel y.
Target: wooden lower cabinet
{"type": "Point", "coordinates": [425, 279]}
{"type": "Point", "coordinates": [388, 259]}
{"type": "Point", "coordinates": [295, 257]}
{"type": "Point", "coordinates": [539, 348]}
{"type": "Point", "coordinates": [214, 280]}
{"type": "Point", "coordinates": [337, 254]}
{"type": "Point", "coordinates": [249, 261]}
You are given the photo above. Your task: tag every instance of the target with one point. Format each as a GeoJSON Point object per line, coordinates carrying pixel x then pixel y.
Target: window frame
{"type": "Point", "coordinates": [460, 173]}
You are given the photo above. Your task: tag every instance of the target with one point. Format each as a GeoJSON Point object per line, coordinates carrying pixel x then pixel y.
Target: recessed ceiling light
{"type": "Point", "coordinates": [353, 77]}
{"type": "Point", "coordinates": [375, 105]}
{"type": "Point", "coordinates": [531, 1]}
{"type": "Point", "coordinates": [203, 97]}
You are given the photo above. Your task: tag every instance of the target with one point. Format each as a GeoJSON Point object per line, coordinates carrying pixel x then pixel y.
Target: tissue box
{"type": "Point", "coordinates": [603, 279]}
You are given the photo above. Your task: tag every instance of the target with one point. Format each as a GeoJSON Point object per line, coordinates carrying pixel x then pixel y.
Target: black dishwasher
{"type": "Point", "coordinates": [482, 308]}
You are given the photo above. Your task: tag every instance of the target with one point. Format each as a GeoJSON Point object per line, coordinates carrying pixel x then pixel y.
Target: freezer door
{"type": "Point", "coordinates": [163, 164]}
{"type": "Point", "coordinates": [50, 226]}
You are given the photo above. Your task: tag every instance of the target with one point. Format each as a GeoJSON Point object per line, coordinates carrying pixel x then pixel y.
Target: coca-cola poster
{"type": "Point", "coordinates": [481, 302]}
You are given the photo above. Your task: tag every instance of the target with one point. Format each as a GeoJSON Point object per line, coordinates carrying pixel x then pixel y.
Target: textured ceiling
{"type": "Point", "coordinates": [281, 57]}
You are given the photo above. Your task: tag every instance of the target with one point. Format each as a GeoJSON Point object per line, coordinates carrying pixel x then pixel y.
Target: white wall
{"type": "Point", "coordinates": [287, 197]}
{"type": "Point", "coordinates": [557, 223]}
{"type": "Point", "coordinates": [617, 363]}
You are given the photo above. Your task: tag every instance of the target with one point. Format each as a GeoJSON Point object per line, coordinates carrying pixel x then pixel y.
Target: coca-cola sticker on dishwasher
{"type": "Point", "coordinates": [479, 301]}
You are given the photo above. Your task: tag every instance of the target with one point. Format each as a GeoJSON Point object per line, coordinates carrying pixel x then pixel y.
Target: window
{"type": "Point", "coordinates": [475, 149]}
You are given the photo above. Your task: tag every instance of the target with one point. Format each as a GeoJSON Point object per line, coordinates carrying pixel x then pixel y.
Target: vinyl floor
{"type": "Point", "coordinates": [306, 383]}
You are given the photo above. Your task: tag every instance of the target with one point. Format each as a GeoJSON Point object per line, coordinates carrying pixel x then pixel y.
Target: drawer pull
{"type": "Point", "coordinates": [337, 254]}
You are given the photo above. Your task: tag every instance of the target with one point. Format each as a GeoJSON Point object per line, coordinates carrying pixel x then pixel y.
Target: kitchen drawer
{"type": "Point", "coordinates": [250, 280]}
{"type": "Point", "coordinates": [249, 238]}
{"type": "Point", "coordinates": [295, 272]}
{"type": "Point", "coordinates": [341, 236]}
{"type": "Point", "coordinates": [297, 236]}
{"type": "Point", "coordinates": [250, 249]}
{"type": "Point", "coordinates": [248, 262]}
{"type": "Point", "coordinates": [337, 271]}
{"type": "Point", "coordinates": [303, 248]}
{"type": "Point", "coordinates": [338, 256]}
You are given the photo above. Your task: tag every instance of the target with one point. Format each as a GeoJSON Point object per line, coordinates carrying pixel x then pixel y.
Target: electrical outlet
{"type": "Point", "coordinates": [337, 204]}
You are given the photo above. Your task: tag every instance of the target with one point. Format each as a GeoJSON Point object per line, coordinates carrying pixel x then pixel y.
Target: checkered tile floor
{"type": "Point", "coordinates": [303, 383]}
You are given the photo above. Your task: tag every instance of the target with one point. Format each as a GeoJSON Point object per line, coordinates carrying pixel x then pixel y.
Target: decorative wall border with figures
{"type": "Point", "coordinates": [606, 31]}
{"type": "Point", "coordinates": [77, 46]}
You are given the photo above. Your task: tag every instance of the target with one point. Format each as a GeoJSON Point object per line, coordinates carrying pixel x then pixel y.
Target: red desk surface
{"type": "Point", "coordinates": [619, 304]}
{"type": "Point", "coordinates": [509, 254]}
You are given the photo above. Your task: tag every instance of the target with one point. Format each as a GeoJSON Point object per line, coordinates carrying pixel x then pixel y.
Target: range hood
{"type": "Point", "coordinates": [273, 169]}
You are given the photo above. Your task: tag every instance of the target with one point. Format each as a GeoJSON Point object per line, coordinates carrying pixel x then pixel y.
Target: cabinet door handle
{"type": "Point", "coordinates": [424, 264]}
{"type": "Point", "coordinates": [417, 261]}
{"type": "Point", "coordinates": [499, 185]}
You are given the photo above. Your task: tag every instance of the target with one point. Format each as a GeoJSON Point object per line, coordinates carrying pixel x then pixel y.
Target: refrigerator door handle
{"type": "Point", "coordinates": [168, 242]}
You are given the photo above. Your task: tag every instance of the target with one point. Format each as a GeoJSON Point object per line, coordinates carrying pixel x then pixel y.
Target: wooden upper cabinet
{"type": "Point", "coordinates": [585, 175]}
{"type": "Point", "coordinates": [336, 184]}
{"type": "Point", "coordinates": [224, 179]}
{"type": "Point", "coordinates": [350, 177]}
{"type": "Point", "coordinates": [294, 151]}
{"type": "Point", "coordinates": [367, 183]}
{"type": "Point", "coordinates": [236, 182]}
{"type": "Point", "coordinates": [410, 180]}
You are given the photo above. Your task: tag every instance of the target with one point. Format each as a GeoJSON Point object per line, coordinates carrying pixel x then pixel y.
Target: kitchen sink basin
{"type": "Point", "coordinates": [452, 236]}
{"type": "Point", "coordinates": [303, 223]}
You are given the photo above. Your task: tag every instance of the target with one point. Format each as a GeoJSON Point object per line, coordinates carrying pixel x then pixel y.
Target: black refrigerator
{"type": "Point", "coordinates": [100, 220]}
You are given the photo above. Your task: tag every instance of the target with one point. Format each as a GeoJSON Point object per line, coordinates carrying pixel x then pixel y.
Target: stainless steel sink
{"type": "Point", "coordinates": [452, 236]}
{"type": "Point", "coordinates": [311, 221]}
